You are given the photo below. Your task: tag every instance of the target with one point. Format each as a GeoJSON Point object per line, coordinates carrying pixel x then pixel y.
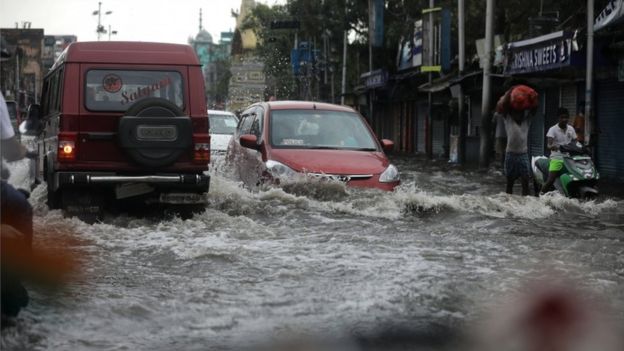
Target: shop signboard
{"type": "Point", "coordinates": [612, 13]}
{"type": "Point", "coordinates": [375, 79]}
{"type": "Point", "coordinates": [550, 51]}
{"type": "Point", "coordinates": [411, 49]}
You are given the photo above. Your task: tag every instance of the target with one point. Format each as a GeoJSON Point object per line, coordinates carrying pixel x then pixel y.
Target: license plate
{"type": "Point", "coordinates": [182, 198]}
{"type": "Point", "coordinates": [157, 133]}
{"type": "Point", "coordinates": [129, 190]}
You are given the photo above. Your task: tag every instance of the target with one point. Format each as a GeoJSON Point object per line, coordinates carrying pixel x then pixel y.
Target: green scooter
{"type": "Point", "coordinates": [578, 178]}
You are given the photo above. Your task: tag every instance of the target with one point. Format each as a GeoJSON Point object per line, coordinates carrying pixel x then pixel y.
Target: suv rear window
{"type": "Point", "coordinates": [116, 90]}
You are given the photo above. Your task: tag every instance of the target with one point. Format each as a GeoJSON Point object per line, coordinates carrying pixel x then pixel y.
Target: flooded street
{"type": "Point", "coordinates": [316, 259]}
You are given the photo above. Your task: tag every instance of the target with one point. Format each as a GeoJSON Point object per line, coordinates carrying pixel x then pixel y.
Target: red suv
{"type": "Point", "coordinates": [280, 141]}
{"type": "Point", "coordinates": [123, 121]}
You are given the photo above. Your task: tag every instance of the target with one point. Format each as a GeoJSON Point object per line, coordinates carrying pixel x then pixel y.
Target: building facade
{"type": "Point", "coordinates": [22, 74]}
{"type": "Point", "coordinates": [214, 58]}
{"type": "Point", "coordinates": [248, 81]}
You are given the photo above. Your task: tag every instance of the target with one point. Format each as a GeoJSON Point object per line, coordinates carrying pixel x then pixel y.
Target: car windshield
{"type": "Point", "coordinates": [117, 90]}
{"type": "Point", "coordinates": [222, 123]}
{"type": "Point", "coordinates": [317, 129]}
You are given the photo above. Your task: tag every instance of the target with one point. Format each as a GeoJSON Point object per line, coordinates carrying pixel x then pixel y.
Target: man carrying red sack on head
{"type": "Point", "coordinates": [517, 106]}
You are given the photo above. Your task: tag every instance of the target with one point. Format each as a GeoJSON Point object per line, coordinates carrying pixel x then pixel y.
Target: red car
{"type": "Point", "coordinates": [282, 140]}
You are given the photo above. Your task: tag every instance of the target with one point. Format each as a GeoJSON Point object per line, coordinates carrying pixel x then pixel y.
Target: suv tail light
{"type": "Point", "coordinates": [67, 146]}
{"type": "Point", "coordinates": [201, 148]}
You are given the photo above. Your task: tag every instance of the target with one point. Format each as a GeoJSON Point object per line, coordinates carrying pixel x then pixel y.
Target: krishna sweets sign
{"type": "Point", "coordinates": [542, 53]}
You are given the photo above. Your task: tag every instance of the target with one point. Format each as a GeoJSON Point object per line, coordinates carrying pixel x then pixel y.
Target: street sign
{"type": "Point", "coordinates": [375, 79]}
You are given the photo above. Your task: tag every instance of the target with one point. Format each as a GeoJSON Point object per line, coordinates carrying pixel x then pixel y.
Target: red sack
{"type": "Point", "coordinates": [523, 98]}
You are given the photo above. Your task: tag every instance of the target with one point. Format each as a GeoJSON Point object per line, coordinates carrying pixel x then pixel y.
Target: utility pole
{"type": "Point", "coordinates": [100, 28]}
{"type": "Point", "coordinates": [589, 69]}
{"type": "Point", "coordinates": [113, 32]}
{"type": "Point", "coordinates": [461, 142]}
{"type": "Point", "coordinates": [333, 93]}
{"type": "Point", "coordinates": [486, 121]}
{"type": "Point", "coordinates": [370, 57]}
{"type": "Point", "coordinates": [345, 41]}
{"type": "Point", "coordinates": [325, 55]}
{"type": "Point", "coordinates": [17, 73]}
{"type": "Point", "coordinates": [99, 13]}
{"type": "Point", "coordinates": [430, 40]}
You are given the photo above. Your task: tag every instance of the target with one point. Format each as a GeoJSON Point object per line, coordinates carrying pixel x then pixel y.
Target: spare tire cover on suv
{"type": "Point", "coordinates": [154, 132]}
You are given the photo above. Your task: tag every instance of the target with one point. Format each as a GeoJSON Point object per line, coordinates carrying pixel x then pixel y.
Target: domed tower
{"type": "Point", "coordinates": [202, 44]}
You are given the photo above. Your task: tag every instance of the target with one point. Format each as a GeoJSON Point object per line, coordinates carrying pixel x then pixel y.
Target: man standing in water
{"type": "Point", "coordinates": [517, 124]}
{"type": "Point", "coordinates": [517, 107]}
{"type": "Point", "coordinates": [560, 134]}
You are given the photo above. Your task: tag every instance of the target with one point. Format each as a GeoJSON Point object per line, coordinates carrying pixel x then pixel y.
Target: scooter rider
{"type": "Point", "coordinates": [560, 134]}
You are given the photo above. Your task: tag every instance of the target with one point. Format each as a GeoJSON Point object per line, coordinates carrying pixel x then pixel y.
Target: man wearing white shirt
{"type": "Point", "coordinates": [560, 134]}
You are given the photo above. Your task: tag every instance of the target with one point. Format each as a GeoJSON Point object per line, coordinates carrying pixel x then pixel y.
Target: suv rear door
{"type": "Point", "coordinates": [106, 93]}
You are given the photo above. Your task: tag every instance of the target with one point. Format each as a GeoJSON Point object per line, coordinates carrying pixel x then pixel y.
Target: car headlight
{"type": "Point", "coordinates": [279, 170]}
{"type": "Point", "coordinates": [391, 174]}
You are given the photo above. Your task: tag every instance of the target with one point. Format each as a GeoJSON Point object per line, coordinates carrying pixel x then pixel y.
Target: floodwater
{"type": "Point", "coordinates": [320, 262]}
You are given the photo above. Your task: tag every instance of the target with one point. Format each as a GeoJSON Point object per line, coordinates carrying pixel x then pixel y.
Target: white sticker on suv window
{"type": "Point", "coordinates": [144, 91]}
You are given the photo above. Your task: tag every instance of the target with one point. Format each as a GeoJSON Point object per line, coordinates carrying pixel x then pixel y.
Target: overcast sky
{"type": "Point", "coordinates": [170, 21]}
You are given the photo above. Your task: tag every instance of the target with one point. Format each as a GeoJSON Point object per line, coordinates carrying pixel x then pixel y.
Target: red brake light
{"type": "Point", "coordinates": [67, 146]}
{"type": "Point", "coordinates": [201, 148]}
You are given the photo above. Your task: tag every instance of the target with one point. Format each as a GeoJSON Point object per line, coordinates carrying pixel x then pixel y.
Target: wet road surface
{"type": "Point", "coordinates": [318, 260]}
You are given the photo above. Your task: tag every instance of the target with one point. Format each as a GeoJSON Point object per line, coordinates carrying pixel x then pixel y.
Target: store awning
{"type": "Point", "coordinates": [437, 85]}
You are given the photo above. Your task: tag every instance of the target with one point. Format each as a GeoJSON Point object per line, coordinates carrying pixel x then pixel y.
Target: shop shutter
{"type": "Point", "coordinates": [421, 137]}
{"type": "Point", "coordinates": [569, 99]}
{"type": "Point", "coordinates": [438, 137]}
{"type": "Point", "coordinates": [609, 109]}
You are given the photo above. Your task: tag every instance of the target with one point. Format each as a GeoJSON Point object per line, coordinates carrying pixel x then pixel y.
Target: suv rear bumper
{"type": "Point", "coordinates": [185, 182]}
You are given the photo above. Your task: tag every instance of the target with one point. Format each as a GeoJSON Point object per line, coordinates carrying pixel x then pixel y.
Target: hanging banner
{"type": "Point", "coordinates": [377, 23]}
{"type": "Point", "coordinates": [612, 13]}
{"type": "Point", "coordinates": [411, 49]}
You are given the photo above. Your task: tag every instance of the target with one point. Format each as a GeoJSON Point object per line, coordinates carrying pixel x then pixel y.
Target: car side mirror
{"type": "Point", "coordinates": [249, 141]}
{"type": "Point", "coordinates": [387, 145]}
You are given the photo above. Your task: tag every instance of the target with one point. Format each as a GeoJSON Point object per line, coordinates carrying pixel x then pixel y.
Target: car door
{"type": "Point", "coordinates": [240, 153]}
{"type": "Point", "coordinates": [254, 157]}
